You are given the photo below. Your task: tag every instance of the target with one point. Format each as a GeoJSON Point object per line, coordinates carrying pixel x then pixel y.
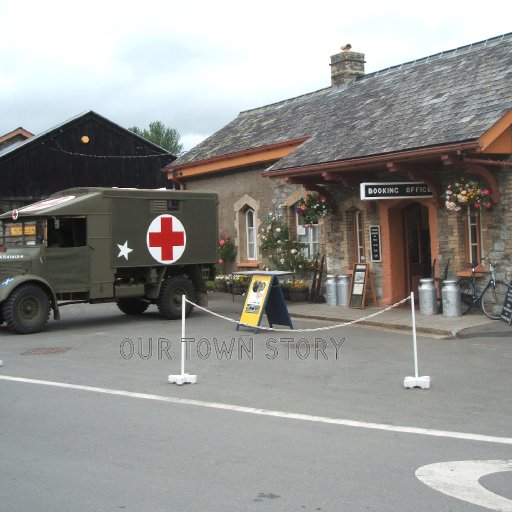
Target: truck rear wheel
{"type": "Point", "coordinates": [132, 306]}
{"type": "Point", "coordinates": [169, 301]}
{"type": "Point", "coordinates": [27, 309]}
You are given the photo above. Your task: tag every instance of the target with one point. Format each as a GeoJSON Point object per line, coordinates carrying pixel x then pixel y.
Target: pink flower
{"type": "Point", "coordinates": [221, 262]}
{"type": "Point", "coordinates": [486, 192]}
{"type": "Point", "coordinates": [222, 242]}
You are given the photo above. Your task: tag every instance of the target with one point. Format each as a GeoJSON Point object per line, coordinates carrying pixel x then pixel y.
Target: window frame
{"type": "Point", "coordinates": [250, 232]}
{"type": "Point", "coordinates": [312, 241]}
{"type": "Point", "coordinates": [473, 229]}
{"type": "Point", "coordinates": [359, 241]}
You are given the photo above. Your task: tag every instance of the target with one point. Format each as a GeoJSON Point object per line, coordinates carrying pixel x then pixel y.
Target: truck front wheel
{"type": "Point", "coordinates": [132, 306]}
{"type": "Point", "coordinates": [169, 301]}
{"type": "Point", "coordinates": [27, 309]}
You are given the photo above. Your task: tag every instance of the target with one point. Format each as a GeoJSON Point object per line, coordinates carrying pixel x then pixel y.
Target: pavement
{"type": "Point", "coordinates": [396, 318]}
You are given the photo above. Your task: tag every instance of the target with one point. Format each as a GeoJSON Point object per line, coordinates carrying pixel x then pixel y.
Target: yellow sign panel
{"type": "Point", "coordinates": [256, 299]}
{"type": "Point", "coordinates": [17, 230]}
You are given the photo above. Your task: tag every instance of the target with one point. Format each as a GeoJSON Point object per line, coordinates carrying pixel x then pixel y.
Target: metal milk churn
{"type": "Point", "coordinates": [330, 290]}
{"type": "Point", "coordinates": [428, 297]}
{"type": "Point", "coordinates": [451, 298]}
{"type": "Point", "coordinates": [343, 290]}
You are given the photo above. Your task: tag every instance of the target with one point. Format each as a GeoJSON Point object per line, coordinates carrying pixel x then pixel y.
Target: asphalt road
{"type": "Point", "coordinates": [290, 421]}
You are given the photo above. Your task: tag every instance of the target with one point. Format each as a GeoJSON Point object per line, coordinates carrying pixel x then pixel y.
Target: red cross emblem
{"type": "Point", "coordinates": [166, 239]}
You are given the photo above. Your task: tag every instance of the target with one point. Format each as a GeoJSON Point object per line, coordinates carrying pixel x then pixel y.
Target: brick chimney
{"type": "Point", "coordinates": [346, 65]}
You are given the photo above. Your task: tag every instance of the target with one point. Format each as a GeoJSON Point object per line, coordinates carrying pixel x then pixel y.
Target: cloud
{"type": "Point", "coordinates": [194, 65]}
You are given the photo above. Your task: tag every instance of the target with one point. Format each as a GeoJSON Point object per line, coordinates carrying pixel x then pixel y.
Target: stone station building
{"type": "Point", "coordinates": [424, 124]}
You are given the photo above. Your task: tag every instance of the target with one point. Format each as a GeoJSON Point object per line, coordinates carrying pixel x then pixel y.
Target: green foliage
{"type": "Point", "coordinates": [211, 285]}
{"type": "Point", "coordinates": [283, 253]}
{"type": "Point", "coordinates": [159, 134]}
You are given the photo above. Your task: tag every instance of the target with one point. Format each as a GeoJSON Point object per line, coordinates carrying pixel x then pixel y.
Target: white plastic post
{"type": "Point", "coordinates": [416, 381]}
{"type": "Point", "coordinates": [183, 378]}
{"type": "Point", "coordinates": [183, 304]}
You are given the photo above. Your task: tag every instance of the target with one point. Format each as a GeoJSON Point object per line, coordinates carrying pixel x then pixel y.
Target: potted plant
{"type": "Point", "coordinates": [467, 193]}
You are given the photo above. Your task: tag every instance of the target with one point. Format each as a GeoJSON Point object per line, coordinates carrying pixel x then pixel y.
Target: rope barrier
{"type": "Point", "coordinates": [409, 382]}
{"type": "Point", "coordinates": [335, 326]}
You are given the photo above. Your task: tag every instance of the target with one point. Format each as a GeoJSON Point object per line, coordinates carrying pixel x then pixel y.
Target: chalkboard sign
{"type": "Point", "coordinates": [375, 243]}
{"type": "Point", "coordinates": [358, 285]}
{"type": "Point", "coordinates": [506, 313]}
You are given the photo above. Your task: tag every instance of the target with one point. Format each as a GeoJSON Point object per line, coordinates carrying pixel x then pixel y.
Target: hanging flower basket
{"type": "Point", "coordinates": [312, 208]}
{"type": "Point", "coordinates": [466, 193]}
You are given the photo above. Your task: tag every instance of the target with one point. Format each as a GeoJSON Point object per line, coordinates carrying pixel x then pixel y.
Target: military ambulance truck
{"type": "Point", "coordinates": [92, 245]}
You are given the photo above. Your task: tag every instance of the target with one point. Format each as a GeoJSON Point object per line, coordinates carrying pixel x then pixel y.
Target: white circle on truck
{"type": "Point", "coordinates": [166, 239]}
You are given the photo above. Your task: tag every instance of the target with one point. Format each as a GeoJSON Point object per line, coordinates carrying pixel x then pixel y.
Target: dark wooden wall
{"type": "Point", "coordinates": [53, 162]}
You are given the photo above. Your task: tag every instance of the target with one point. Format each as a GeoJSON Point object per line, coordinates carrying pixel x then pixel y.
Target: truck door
{"type": "Point", "coordinates": [66, 263]}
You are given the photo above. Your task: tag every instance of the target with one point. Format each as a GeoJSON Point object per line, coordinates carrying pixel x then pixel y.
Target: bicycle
{"type": "Point", "coordinates": [491, 299]}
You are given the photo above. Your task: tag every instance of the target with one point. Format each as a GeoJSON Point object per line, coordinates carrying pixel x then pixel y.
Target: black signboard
{"type": "Point", "coordinates": [506, 313]}
{"type": "Point", "coordinates": [372, 191]}
{"type": "Point", "coordinates": [375, 243]}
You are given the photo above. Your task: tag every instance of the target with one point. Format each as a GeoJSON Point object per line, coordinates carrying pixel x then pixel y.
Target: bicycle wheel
{"type": "Point", "coordinates": [493, 299]}
{"type": "Point", "coordinates": [467, 295]}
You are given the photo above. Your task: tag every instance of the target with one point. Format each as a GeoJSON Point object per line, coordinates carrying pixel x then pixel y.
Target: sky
{"type": "Point", "coordinates": [195, 64]}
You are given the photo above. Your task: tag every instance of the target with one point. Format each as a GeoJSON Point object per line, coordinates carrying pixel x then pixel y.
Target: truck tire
{"type": "Point", "coordinates": [132, 306]}
{"type": "Point", "coordinates": [27, 309]}
{"type": "Point", "coordinates": [169, 301]}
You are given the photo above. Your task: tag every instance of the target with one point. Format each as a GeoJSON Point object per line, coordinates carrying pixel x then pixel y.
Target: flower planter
{"type": "Point", "coordinates": [238, 289]}
{"type": "Point", "coordinates": [298, 294]}
{"type": "Point", "coordinates": [222, 286]}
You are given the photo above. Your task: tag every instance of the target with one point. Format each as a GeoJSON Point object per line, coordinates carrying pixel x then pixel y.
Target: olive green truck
{"type": "Point", "coordinates": [93, 245]}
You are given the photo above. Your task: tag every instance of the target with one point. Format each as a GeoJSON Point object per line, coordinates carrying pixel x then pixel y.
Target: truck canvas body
{"type": "Point", "coordinates": [134, 247]}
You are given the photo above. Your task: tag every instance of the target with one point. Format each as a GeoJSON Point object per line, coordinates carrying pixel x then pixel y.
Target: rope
{"type": "Point", "coordinates": [335, 326]}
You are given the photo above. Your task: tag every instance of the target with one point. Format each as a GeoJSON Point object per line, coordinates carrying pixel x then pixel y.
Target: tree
{"type": "Point", "coordinates": [159, 134]}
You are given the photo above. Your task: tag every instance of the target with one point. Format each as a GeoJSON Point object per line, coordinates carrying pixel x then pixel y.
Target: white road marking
{"type": "Point", "coordinates": [267, 412]}
{"type": "Point", "coordinates": [459, 479]}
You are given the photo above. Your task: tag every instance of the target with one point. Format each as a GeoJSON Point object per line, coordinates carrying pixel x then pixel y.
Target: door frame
{"type": "Point", "coordinates": [393, 258]}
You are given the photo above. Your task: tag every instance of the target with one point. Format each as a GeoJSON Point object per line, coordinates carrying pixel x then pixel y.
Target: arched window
{"type": "Point", "coordinates": [247, 224]}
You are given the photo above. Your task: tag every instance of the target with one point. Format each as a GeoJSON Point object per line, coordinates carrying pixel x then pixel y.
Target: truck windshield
{"type": "Point", "coordinates": [22, 232]}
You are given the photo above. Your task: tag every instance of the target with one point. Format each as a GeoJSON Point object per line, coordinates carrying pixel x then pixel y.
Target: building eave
{"type": "Point", "coordinates": [373, 161]}
{"type": "Point", "coordinates": [261, 154]}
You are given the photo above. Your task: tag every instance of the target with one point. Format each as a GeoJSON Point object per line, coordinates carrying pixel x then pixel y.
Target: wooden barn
{"type": "Point", "coordinates": [87, 150]}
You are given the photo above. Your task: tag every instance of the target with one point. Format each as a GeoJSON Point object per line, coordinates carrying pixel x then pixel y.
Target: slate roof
{"type": "Point", "coordinates": [450, 97]}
